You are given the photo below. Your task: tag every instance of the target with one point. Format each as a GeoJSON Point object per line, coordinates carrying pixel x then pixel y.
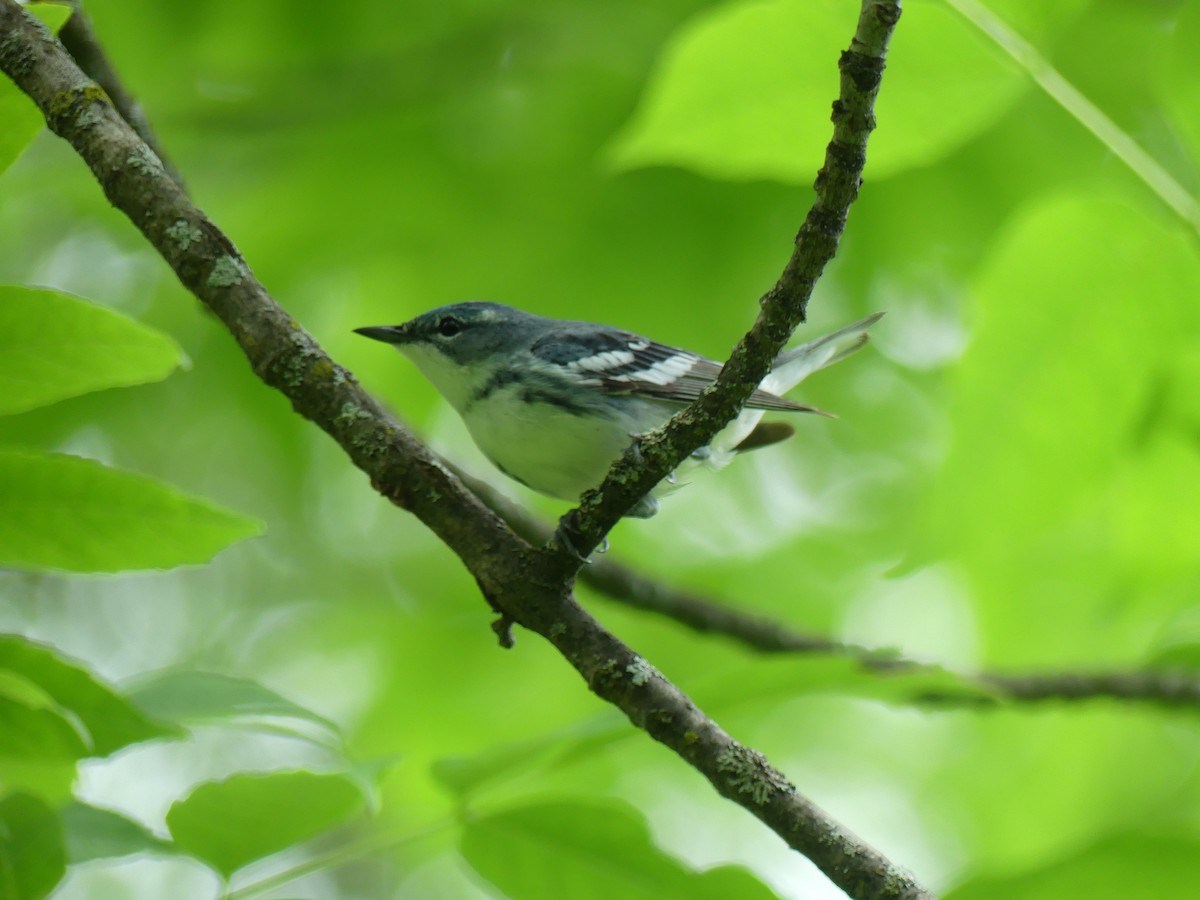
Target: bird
{"type": "Point", "coordinates": [552, 403]}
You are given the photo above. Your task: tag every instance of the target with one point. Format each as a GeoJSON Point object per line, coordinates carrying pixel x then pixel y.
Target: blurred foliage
{"type": "Point", "coordinates": [62, 512]}
{"type": "Point", "coordinates": [1012, 483]}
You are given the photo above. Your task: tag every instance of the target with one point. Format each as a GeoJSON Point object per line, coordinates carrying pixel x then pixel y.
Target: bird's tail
{"type": "Point", "coordinates": [791, 367]}
{"type": "Point", "coordinates": [794, 365]}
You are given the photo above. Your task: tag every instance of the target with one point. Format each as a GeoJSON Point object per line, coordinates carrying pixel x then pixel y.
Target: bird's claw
{"type": "Point", "coordinates": [562, 534]}
{"type": "Point", "coordinates": [635, 448]}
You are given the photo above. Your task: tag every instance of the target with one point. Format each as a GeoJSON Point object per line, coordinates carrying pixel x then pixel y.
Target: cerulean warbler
{"type": "Point", "coordinates": [553, 403]}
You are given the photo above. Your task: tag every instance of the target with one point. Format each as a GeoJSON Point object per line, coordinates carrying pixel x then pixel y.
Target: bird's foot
{"type": "Point", "coordinates": [562, 534]}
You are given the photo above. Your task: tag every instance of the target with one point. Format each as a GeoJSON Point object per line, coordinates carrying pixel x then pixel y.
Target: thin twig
{"type": "Point", "coordinates": [624, 585]}
{"type": "Point", "coordinates": [621, 584]}
{"type": "Point", "coordinates": [660, 452]}
{"type": "Point", "coordinates": [1165, 688]}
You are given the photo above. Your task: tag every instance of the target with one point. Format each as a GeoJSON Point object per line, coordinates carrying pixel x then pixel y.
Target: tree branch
{"type": "Point", "coordinates": [79, 39]}
{"type": "Point", "coordinates": [530, 587]}
{"type": "Point", "coordinates": [282, 354]}
{"type": "Point", "coordinates": [659, 453]}
{"type": "Point", "coordinates": [1166, 688]}
{"type": "Point", "coordinates": [1176, 689]}
{"type": "Point", "coordinates": [624, 585]}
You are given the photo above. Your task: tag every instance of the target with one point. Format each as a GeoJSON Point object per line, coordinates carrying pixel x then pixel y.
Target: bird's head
{"type": "Point", "coordinates": [452, 345]}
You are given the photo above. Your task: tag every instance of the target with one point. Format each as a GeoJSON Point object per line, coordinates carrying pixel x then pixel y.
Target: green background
{"type": "Point", "coordinates": [1012, 485]}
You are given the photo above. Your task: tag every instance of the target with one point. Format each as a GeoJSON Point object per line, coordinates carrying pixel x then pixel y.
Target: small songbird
{"type": "Point", "coordinates": [553, 403]}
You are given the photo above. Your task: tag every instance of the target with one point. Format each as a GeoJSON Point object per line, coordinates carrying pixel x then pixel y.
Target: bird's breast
{"type": "Point", "coordinates": [555, 442]}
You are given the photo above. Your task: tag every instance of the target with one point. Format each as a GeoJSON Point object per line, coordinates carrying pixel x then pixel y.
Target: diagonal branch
{"type": "Point", "coordinates": [1169, 688]}
{"type": "Point", "coordinates": [1179, 690]}
{"type": "Point", "coordinates": [1172, 689]}
{"type": "Point", "coordinates": [622, 584]}
{"type": "Point", "coordinates": [281, 353]}
{"type": "Point", "coordinates": [528, 586]}
{"type": "Point", "coordinates": [79, 38]}
{"type": "Point", "coordinates": [659, 453]}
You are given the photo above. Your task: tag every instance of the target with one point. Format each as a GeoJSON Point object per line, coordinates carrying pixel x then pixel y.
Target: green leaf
{"type": "Point", "coordinates": [40, 741]}
{"type": "Point", "coordinates": [761, 684]}
{"type": "Point", "coordinates": [1177, 647]}
{"type": "Point", "coordinates": [16, 687]}
{"type": "Point", "coordinates": [1064, 445]}
{"type": "Point", "coordinates": [73, 514]}
{"type": "Point", "coordinates": [30, 733]}
{"type": "Point", "coordinates": [20, 120]}
{"type": "Point", "coordinates": [50, 780]}
{"type": "Point", "coordinates": [588, 850]}
{"type": "Point", "coordinates": [191, 698]}
{"type": "Point", "coordinates": [939, 64]}
{"type": "Point", "coordinates": [94, 833]}
{"type": "Point", "coordinates": [54, 713]}
{"type": "Point", "coordinates": [1154, 495]}
{"type": "Point", "coordinates": [111, 721]}
{"type": "Point", "coordinates": [1058, 350]}
{"type": "Point", "coordinates": [1122, 866]}
{"type": "Point", "coordinates": [470, 774]}
{"type": "Point", "coordinates": [1179, 86]}
{"type": "Point", "coordinates": [53, 346]}
{"type": "Point", "coordinates": [32, 856]}
{"type": "Point", "coordinates": [744, 92]}
{"type": "Point", "coordinates": [231, 823]}
{"type": "Point", "coordinates": [35, 729]}
{"type": "Point", "coordinates": [732, 881]}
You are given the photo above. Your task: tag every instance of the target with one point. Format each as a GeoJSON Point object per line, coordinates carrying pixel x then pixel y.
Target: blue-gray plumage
{"type": "Point", "coordinates": [552, 403]}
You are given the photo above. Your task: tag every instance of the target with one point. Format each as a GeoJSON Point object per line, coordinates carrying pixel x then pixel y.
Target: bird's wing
{"type": "Point", "coordinates": [681, 377]}
{"type": "Point", "coordinates": [620, 362]}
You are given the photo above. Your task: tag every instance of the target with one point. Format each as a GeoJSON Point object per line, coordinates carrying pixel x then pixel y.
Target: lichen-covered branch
{"type": "Point", "coordinates": [624, 585]}
{"type": "Point", "coordinates": [527, 586]}
{"type": "Point", "coordinates": [80, 41]}
{"type": "Point", "coordinates": [282, 353]}
{"type": "Point", "coordinates": [781, 309]}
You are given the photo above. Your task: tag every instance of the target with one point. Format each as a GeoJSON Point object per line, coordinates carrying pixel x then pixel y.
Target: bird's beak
{"type": "Point", "coordinates": [389, 334]}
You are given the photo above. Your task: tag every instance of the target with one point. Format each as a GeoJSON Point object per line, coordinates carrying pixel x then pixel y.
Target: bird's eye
{"type": "Point", "coordinates": [449, 326]}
